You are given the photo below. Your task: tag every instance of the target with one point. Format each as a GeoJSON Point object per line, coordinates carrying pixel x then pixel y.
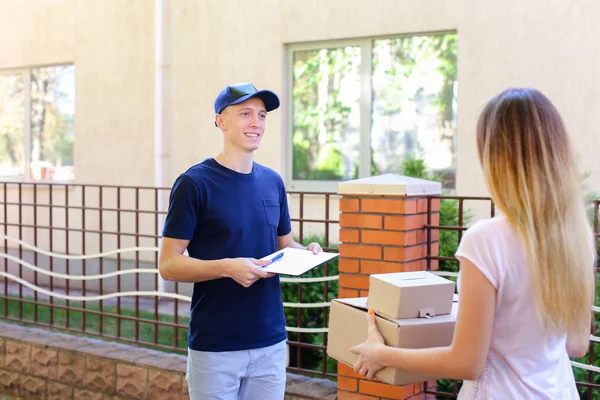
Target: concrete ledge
{"type": "Point", "coordinates": [390, 185]}
{"type": "Point", "coordinates": [41, 364]}
{"type": "Point", "coordinates": [303, 387]}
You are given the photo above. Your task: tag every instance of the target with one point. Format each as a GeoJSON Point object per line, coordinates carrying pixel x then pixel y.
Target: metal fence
{"type": "Point", "coordinates": [83, 259]}
{"type": "Point", "coordinates": [313, 219]}
{"type": "Point", "coordinates": [57, 272]}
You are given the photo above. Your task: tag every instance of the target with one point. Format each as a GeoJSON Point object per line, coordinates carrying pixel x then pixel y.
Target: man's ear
{"type": "Point", "coordinates": [219, 121]}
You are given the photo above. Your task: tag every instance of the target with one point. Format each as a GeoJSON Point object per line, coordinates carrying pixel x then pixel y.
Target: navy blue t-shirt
{"type": "Point", "coordinates": [226, 214]}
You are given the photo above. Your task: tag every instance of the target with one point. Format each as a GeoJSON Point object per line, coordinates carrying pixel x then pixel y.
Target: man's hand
{"type": "Point", "coordinates": [246, 271]}
{"type": "Point", "coordinates": [367, 363]}
{"type": "Point", "coordinates": [314, 247]}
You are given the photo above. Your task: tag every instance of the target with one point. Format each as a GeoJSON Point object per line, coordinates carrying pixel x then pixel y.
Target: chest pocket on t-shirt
{"type": "Point", "coordinates": [272, 211]}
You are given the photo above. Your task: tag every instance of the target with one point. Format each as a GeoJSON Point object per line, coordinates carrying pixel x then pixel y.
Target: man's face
{"type": "Point", "coordinates": [243, 124]}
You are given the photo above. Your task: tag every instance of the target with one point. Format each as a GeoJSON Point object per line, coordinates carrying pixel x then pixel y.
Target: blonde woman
{"type": "Point", "coordinates": [527, 275]}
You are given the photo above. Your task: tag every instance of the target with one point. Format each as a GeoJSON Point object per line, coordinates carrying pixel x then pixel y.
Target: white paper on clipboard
{"type": "Point", "coordinates": [297, 261]}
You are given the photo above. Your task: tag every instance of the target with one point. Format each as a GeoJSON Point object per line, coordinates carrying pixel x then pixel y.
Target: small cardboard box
{"type": "Point", "coordinates": [410, 294]}
{"type": "Point", "coordinates": [348, 327]}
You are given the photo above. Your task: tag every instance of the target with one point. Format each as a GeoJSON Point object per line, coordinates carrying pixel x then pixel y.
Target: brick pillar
{"type": "Point", "coordinates": [382, 230]}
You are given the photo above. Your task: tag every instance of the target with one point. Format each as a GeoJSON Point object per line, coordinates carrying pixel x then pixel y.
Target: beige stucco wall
{"type": "Point", "coordinates": [210, 45]}
{"type": "Point", "coordinates": [548, 44]}
{"type": "Point", "coordinates": [111, 45]}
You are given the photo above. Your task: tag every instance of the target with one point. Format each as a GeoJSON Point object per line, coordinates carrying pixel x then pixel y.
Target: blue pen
{"type": "Point", "coordinates": [277, 257]}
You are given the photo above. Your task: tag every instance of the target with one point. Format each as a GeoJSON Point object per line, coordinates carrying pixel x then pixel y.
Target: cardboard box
{"type": "Point", "coordinates": [410, 294]}
{"type": "Point", "coordinates": [348, 327]}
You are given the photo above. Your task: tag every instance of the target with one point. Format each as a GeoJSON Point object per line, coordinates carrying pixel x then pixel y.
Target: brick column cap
{"type": "Point", "coordinates": [390, 184]}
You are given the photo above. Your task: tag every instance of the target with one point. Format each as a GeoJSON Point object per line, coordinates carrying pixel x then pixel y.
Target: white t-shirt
{"type": "Point", "coordinates": [524, 362]}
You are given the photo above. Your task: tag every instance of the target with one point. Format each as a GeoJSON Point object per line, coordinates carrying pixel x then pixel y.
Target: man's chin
{"type": "Point", "coordinates": [252, 148]}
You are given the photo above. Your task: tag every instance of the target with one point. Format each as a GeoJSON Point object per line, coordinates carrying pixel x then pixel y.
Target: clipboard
{"type": "Point", "coordinates": [296, 261]}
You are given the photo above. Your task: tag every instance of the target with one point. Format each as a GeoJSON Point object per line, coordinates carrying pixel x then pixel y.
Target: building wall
{"type": "Point", "coordinates": [548, 44]}
{"type": "Point", "coordinates": [244, 41]}
{"type": "Point", "coordinates": [111, 45]}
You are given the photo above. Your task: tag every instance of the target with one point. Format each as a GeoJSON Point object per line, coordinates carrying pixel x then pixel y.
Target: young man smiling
{"type": "Point", "coordinates": [228, 212]}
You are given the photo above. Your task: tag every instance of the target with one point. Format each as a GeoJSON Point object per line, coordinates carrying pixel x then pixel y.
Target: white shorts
{"type": "Point", "coordinates": [238, 375]}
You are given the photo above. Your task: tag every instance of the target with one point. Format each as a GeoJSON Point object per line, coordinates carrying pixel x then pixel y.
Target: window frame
{"type": "Point", "coordinates": [26, 73]}
{"type": "Point", "coordinates": [366, 102]}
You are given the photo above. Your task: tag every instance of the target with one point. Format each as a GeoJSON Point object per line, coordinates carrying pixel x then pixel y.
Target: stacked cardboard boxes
{"type": "Point", "coordinates": [413, 310]}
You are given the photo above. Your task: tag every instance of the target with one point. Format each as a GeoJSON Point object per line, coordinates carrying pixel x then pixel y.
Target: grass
{"type": "Point", "coordinates": [111, 327]}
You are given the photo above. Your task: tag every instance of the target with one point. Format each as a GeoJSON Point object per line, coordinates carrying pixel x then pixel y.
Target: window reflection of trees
{"type": "Point", "coordinates": [12, 112]}
{"type": "Point", "coordinates": [414, 101]}
{"type": "Point", "coordinates": [326, 92]}
{"type": "Point", "coordinates": [51, 122]}
{"type": "Point", "coordinates": [413, 107]}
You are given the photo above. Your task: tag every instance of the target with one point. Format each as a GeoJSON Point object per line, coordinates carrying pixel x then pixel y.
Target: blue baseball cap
{"type": "Point", "coordinates": [240, 92]}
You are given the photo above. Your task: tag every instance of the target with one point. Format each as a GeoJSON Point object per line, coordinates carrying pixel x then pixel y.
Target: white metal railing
{"type": "Point", "coordinates": [587, 367]}
{"type": "Point", "coordinates": [308, 305]}
{"type": "Point", "coordinates": [126, 272]}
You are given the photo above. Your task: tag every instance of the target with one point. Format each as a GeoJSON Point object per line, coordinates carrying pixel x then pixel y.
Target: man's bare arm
{"type": "Point", "coordinates": [174, 266]}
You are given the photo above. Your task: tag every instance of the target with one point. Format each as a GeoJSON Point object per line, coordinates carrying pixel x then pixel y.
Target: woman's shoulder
{"type": "Point", "coordinates": [491, 226]}
{"type": "Point", "coordinates": [495, 232]}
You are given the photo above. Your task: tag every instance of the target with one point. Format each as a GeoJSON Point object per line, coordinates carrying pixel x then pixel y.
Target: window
{"type": "Point", "coordinates": [37, 108]}
{"type": "Point", "coordinates": [359, 108]}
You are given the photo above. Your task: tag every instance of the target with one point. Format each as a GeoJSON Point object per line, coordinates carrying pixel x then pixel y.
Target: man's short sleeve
{"type": "Point", "coordinates": [477, 246]}
{"type": "Point", "coordinates": [183, 213]}
{"type": "Point", "coordinates": [285, 224]}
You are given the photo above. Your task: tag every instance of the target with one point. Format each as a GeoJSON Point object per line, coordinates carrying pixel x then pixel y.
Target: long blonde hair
{"type": "Point", "coordinates": [531, 175]}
